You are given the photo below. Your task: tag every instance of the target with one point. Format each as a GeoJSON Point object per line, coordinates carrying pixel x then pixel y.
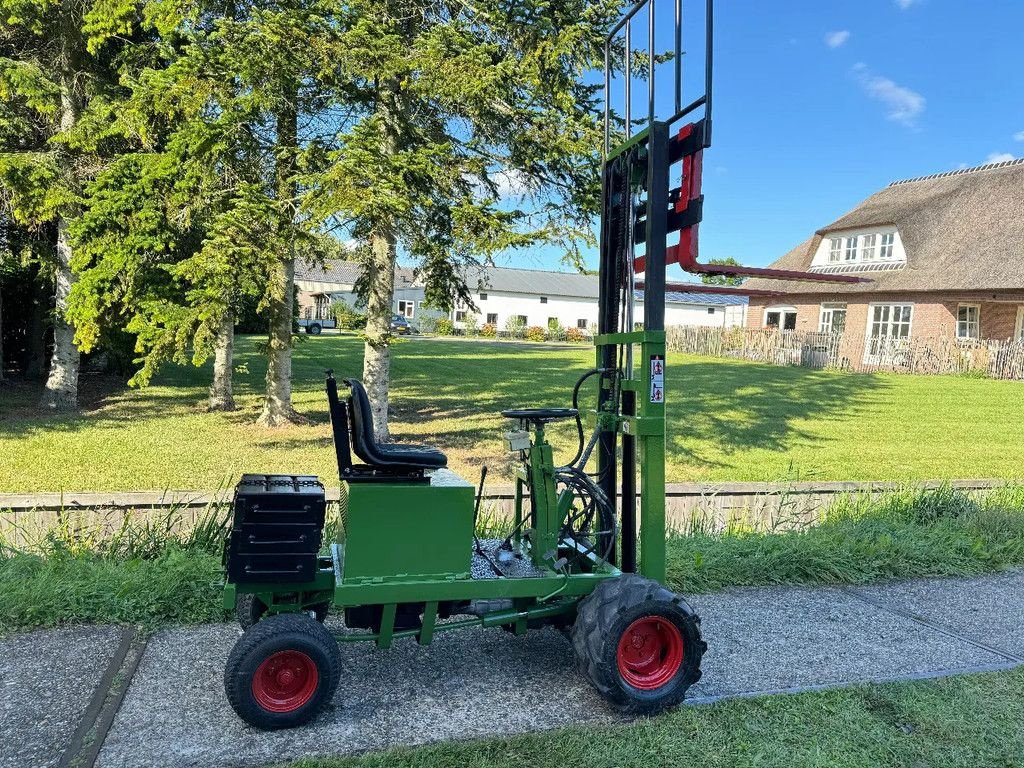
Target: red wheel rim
{"type": "Point", "coordinates": [285, 681]}
{"type": "Point", "coordinates": [650, 652]}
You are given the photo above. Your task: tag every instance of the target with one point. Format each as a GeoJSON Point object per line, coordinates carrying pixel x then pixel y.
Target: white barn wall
{"type": "Point", "coordinates": [568, 310]}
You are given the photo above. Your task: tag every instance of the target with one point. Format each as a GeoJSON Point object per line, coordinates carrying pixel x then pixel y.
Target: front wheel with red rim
{"type": "Point", "coordinates": [638, 643]}
{"type": "Point", "coordinates": [282, 671]}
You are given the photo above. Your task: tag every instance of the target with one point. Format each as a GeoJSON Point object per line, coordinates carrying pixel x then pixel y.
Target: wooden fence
{"type": "Point", "coordinates": [854, 352]}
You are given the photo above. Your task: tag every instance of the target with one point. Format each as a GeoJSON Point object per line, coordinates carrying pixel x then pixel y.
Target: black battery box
{"type": "Point", "coordinates": [277, 529]}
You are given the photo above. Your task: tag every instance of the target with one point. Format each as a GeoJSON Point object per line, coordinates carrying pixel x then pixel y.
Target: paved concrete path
{"type": "Point", "coordinates": [486, 682]}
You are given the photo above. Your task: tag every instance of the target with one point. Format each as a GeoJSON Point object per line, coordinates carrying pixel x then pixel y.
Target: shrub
{"type": "Point", "coordinates": [514, 327]}
{"type": "Point", "coordinates": [445, 327]}
{"type": "Point", "coordinates": [471, 325]}
{"type": "Point", "coordinates": [489, 330]}
{"type": "Point", "coordinates": [536, 333]}
{"type": "Point", "coordinates": [555, 330]}
{"type": "Point", "coordinates": [428, 323]}
{"type": "Point", "coordinates": [348, 319]}
{"type": "Point", "coordinates": [575, 334]}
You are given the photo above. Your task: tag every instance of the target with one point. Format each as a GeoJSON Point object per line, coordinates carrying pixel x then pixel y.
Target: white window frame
{"type": "Point", "coordinates": [494, 315]}
{"type": "Point", "coordinates": [867, 248]}
{"type": "Point", "coordinates": [582, 323]}
{"type": "Point", "coordinates": [1019, 335]}
{"type": "Point", "coordinates": [887, 245]}
{"type": "Point", "coordinates": [850, 248]}
{"type": "Point", "coordinates": [460, 315]}
{"type": "Point", "coordinates": [782, 311]}
{"type": "Point", "coordinates": [826, 317]}
{"type": "Point", "coordinates": [891, 348]}
{"type": "Point", "coordinates": [835, 250]}
{"type": "Point", "coordinates": [409, 310]}
{"type": "Point", "coordinates": [968, 323]}
{"type": "Point", "coordinates": [483, 296]}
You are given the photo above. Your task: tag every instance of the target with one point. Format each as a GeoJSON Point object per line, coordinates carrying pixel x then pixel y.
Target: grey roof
{"type": "Point", "coordinates": [962, 231]}
{"type": "Point", "coordinates": [346, 272]}
{"type": "Point", "coordinates": [509, 280]}
{"type": "Point", "coordinates": [701, 299]}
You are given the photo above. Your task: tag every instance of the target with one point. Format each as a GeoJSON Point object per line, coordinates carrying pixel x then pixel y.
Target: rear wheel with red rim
{"type": "Point", "coordinates": [650, 652]}
{"type": "Point", "coordinates": [282, 671]}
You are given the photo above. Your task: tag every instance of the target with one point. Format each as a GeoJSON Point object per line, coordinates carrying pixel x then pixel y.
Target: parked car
{"type": "Point", "coordinates": [314, 327]}
{"type": "Point", "coordinates": [400, 326]}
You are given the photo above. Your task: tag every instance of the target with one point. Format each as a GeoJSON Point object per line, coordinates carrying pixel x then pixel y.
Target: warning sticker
{"type": "Point", "coordinates": [657, 379]}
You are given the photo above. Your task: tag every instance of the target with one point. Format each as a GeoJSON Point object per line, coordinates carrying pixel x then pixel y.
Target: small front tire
{"type": "Point", "coordinates": [282, 671]}
{"type": "Point", "coordinates": [638, 643]}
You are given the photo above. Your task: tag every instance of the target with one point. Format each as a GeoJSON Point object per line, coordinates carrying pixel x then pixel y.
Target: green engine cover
{"type": "Point", "coordinates": [393, 532]}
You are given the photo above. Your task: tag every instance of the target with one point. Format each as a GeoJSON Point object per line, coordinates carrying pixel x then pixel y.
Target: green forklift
{"type": "Point", "coordinates": [407, 562]}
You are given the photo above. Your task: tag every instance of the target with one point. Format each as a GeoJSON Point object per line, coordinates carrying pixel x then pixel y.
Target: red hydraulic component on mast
{"type": "Point", "coordinates": [687, 148]}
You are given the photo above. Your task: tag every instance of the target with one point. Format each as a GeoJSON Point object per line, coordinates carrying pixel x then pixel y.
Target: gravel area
{"type": "Point", "coordinates": [468, 683]}
{"type": "Point", "coordinates": [47, 680]}
{"type": "Point", "coordinates": [988, 609]}
{"type": "Point", "coordinates": [486, 682]}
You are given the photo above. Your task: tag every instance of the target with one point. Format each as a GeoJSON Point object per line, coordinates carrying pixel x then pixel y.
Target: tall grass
{"type": "Point", "coordinates": [858, 539]}
{"type": "Point", "coordinates": [154, 570]}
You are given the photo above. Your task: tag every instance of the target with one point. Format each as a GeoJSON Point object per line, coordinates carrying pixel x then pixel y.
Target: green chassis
{"type": "Point", "coordinates": [414, 569]}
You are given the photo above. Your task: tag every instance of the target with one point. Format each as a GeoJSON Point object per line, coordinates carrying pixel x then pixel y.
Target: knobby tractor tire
{"type": "Point", "coordinates": [638, 643]}
{"type": "Point", "coordinates": [249, 609]}
{"type": "Point", "coordinates": [282, 671]}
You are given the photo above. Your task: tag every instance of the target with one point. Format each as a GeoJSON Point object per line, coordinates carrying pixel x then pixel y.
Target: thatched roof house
{"type": "Point", "coordinates": [944, 253]}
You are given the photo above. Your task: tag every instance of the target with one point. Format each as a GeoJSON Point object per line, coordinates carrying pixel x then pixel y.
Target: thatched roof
{"type": "Point", "coordinates": [962, 231]}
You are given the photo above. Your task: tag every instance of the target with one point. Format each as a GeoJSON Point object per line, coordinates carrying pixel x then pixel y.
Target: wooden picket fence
{"type": "Point", "coordinates": [853, 352]}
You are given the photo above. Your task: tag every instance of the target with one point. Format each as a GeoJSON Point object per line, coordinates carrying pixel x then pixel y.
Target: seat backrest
{"type": "Point", "coordinates": [339, 426]}
{"type": "Point", "coordinates": [363, 442]}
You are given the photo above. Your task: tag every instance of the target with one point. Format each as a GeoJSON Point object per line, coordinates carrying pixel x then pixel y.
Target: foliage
{"type": "Point", "coordinates": [471, 325]}
{"type": "Point", "coordinates": [348, 318]}
{"type": "Point", "coordinates": [536, 333]}
{"type": "Point", "coordinates": [489, 330]}
{"type": "Point", "coordinates": [725, 280]}
{"type": "Point", "coordinates": [514, 327]}
{"type": "Point", "coordinates": [556, 331]}
{"type": "Point", "coordinates": [444, 327]}
{"type": "Point", "coordinates": [575, 335]}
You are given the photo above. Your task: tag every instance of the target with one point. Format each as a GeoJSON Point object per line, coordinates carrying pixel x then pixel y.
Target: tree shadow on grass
{"type": "Point", "coordinates": [740, 406]}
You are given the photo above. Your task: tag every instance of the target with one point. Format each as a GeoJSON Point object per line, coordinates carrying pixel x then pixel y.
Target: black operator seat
{"type": "Point", "coordinates": [385, 455]}
{"type": "Point", "coordinates": [540, 415]}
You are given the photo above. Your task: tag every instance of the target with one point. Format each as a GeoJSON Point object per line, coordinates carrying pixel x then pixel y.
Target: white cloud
{"type": "Point", "coordinates": [1018, 136]}
{"type": "Point", "coordinates": [836, 39]}
{"type": "Point", "coordinates": [999, 157]}
{"type": "Point", "coordinates": [904, 4]}
{"type": "Point", "coordinates": [902, 104]}
{"type": "Point", "coordinates": [511, 183]}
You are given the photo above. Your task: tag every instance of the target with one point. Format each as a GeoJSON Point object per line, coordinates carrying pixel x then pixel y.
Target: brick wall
{"type": "Point", "coordinates": [934, 314]}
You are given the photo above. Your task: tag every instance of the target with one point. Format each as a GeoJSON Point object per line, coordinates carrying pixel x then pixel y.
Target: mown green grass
{"type": "Point", "coordinates": [148, 575]}
{"type": "Point", "coordinates": [728, 420]}
{"type": "Point", "coordinates": [963, 722]}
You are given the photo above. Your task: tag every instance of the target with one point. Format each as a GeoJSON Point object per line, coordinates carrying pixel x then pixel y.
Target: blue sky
{"type": "Point", "coordinates": [819, 104]}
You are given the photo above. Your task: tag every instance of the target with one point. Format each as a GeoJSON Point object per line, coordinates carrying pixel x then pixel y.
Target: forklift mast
{"type": "Point", "coordinates": [651, 189]}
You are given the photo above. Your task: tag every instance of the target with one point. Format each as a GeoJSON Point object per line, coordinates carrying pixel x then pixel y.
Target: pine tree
{"type": "Point", "coordinates": [58, 61]}
{"type": "Point", "coordinates": [467, 129]}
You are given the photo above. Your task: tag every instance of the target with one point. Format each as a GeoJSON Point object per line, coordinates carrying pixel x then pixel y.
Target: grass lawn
{"type": "Point", "coordinates": [961, 722]}
{"type": "Point", "coordinates": [728, 420]}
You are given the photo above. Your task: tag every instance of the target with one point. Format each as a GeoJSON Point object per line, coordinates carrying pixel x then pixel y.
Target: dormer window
{"type": "Point", "coordinates": [835, 252]}
{"type": "Point", "coordinates": [887, 243]}
{"type": "Point", "coordinates": [851, 248]}
{"type": "Point", "coordinates": [867, 250]}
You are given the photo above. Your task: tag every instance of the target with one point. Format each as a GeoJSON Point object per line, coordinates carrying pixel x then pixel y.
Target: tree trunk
{"type": "Point", "coordinates": [277, 406]}
{"type": "Point", "coordinates": [377, 350]}
{"type": "Point", "coordinates": [61, 393]}
{"type": "Point", "coordinates": [1, 331]}
{"type": "Point", "coordinates": [381, 281]}
{"type": "Point", "coordinates": [221, 395]}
